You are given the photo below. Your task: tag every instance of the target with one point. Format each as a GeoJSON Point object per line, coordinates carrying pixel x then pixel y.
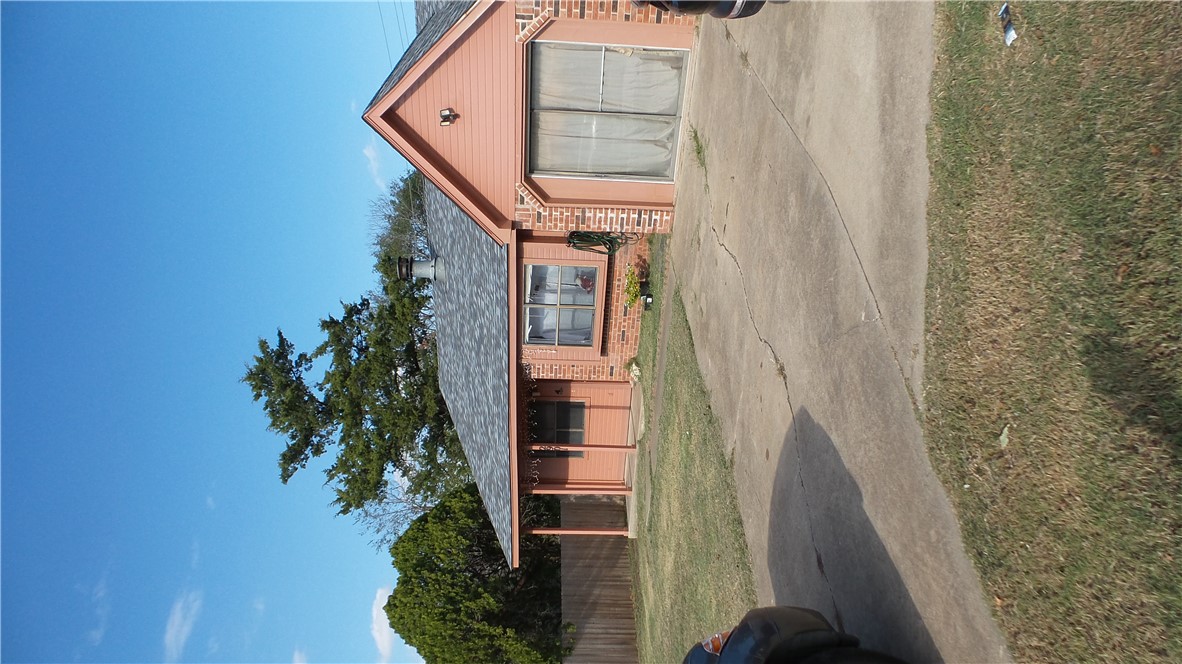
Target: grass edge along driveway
{"type": "Point", "coordinates": [691, 569]}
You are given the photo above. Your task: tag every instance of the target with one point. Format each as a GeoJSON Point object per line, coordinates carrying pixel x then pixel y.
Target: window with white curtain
{"type": "Point", "coordinates": [604, 111]}
{"type": "Point", "coordinates": [560, 304]}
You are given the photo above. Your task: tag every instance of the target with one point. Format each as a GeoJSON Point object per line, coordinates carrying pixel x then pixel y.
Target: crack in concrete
{"type": "Point", "coordinates": [781, 372]}
{"type": "Point", "coordinates": [878, 318]}
{"type": "Point", "coordinates": [845, 227]}
{"type": "Point", "coordinates": [747, 304]}
{"type": "Point", "coordinates": [808, 510]}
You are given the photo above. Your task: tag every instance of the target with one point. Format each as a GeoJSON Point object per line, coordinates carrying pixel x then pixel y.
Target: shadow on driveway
{"type": "Point", "coordinates": [824, 553]}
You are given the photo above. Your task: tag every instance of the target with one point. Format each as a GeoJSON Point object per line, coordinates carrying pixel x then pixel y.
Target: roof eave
{"type": "Point", "coordinates": [487, 222]}
{"type": "Point", "coordinates": [490, 223]}
{"type": "Point", "coordinates": [514, 404]}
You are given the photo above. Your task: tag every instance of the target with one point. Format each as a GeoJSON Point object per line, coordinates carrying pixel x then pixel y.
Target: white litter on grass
{"type": "Point", "coordinates": [1007, 26]}
{"type": "Point", "coordinates": [1004, 438]}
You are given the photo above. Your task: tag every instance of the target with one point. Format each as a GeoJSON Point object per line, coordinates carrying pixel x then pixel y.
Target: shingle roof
{"type": "Point", "coordinates": [471, 301]}
{"type": "Point", "coordinates": [433, 19]}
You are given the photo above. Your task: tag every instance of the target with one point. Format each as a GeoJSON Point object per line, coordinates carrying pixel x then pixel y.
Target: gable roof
{"type": "Point", "coordinates": [471, 301]}
{"type": "Point", "coordinates": [433, 20]}
{"type": "Point", "coordinates": [402, 110]}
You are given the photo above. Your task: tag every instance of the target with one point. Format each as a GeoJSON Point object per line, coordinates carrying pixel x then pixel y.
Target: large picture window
{"type": "Point", "coordinates": [560, 304]}
{"type": "Point", "coordinates": [604, 111]}
{"type": "Point", "coordinates": [558, 423]}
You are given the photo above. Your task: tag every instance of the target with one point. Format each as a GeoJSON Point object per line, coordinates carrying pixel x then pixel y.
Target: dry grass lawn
{"type": "Point", "coordinates": [1054, 349]}
{"type": "Point", "coordinates": [692, 573]}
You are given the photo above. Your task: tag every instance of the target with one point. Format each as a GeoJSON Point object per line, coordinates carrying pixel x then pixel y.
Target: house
{"type": "Point", "coordinates": [533, 119]}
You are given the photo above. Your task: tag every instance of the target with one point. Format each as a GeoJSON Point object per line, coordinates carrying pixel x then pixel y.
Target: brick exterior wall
{"type": "Point", "coordinates": [621, 324]}
{"type": "Point", "coordinates": [529, 11]}
{"type": "Point", "coordinates": [531, 213]}
{"type": "Point", "coordinates": [621, 327]}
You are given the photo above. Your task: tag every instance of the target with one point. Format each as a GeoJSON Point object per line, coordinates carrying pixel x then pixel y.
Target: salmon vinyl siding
{"type": "Point", "coordinates": [616, 193]}
{"type": "Point", "coordinates": [608, 419]}
{"type": "Point", "coordinates": [556, 249]}
{"type": "Point", "coordinates": [605, 423]}
{"type": "Point", "coordinates": [478, 79]}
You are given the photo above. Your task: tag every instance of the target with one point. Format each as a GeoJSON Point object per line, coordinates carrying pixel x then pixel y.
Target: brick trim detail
{"type": "Point", "coordinates": [529, 11]}
{"type": "Point", "coordinates": [531, 28]}
{"type": "Point", "coordinates": [532, 214]}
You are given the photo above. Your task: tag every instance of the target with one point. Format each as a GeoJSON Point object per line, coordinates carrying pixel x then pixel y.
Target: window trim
{"type": "Point", "coordinates": [558, 306]}
{"type": "Point", "coordinates": [599, 177]}
{"type": "Point", "coordinates": [549, 254]}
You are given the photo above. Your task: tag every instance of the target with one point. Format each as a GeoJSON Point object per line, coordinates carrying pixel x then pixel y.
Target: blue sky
{"type": "Point", "coordinates": [177, 181]}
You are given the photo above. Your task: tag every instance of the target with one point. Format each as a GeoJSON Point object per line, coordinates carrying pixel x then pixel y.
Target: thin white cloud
{"type": "Point", "coordinates": [251, 626]}
{"type": "Point", "coordinates": [181, 619]}
{"type": "Point", "coordinates": [379, 626]}
{"type": "Point", "coordinates": [299, 657]}
{"type": "Point", "coordinates": [353, 107]}
{"type": "Point", "coordinates": [374, 161]}
{"type": "Point", "coordinates": [101, 602]}
{"type": "Point", "coordinates": [210, 503]}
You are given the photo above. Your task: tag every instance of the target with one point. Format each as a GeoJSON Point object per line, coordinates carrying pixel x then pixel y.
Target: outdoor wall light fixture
{"type": "Point", "coordinates": [448, 117]}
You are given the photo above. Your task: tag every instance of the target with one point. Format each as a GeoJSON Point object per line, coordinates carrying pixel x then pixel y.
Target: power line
{"type": "Point", "coordinates": [407, 35]}
{"type": "Point", "coordinates": [389, 58]}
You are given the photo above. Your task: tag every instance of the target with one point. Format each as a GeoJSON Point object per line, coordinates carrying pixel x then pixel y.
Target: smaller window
{"type": "Point", "coordinates": [559, 423]}
{"type": "Point", "coordinates": [560, 304]}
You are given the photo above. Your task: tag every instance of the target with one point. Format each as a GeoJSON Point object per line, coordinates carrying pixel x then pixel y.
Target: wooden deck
{"type": "Point", "coordinates": [597, 583]}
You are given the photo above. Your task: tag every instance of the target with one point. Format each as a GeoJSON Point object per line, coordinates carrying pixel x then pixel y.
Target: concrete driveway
{"type": "Point", "coordinates": [800, 251]}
